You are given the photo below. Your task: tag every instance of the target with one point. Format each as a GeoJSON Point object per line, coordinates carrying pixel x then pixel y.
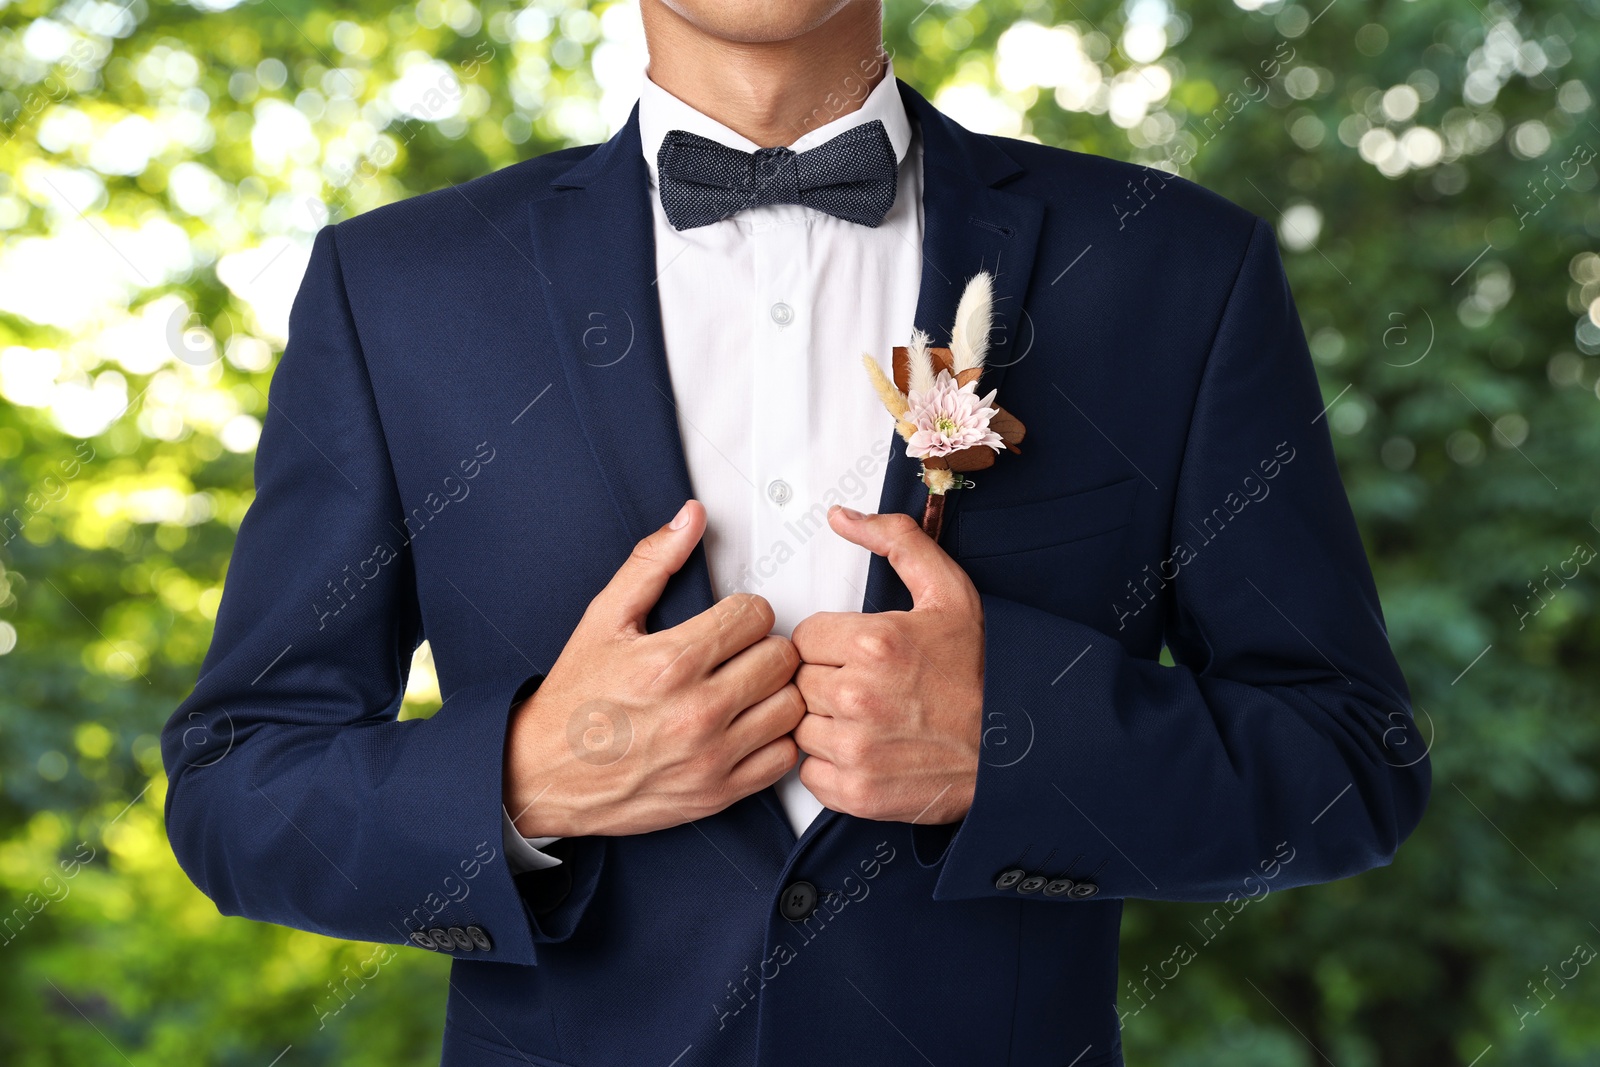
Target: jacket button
{"type": "Point", "coordinates": [1031, 884]}
{"type": "Point", "coordinates": [459, 936]}
{"type": "Point", "coordinates": [480, 937]}
{"type": "Point", "coordinates": [798, 901]}
{"type": "Point", "coordinates": [442, 939]}
{"type": "Point", "coordinates": [421, 939]}
{"type": "Point", "coordinates": [1009, 878]}
{"type": "Point", "coordinates": [1059, 886]}
{"type": "Point", "coordinates": [1085, 890]}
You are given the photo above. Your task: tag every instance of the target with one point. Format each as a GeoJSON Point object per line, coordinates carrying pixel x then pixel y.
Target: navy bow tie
{"type": "Point", "coordinates": [852, 177]}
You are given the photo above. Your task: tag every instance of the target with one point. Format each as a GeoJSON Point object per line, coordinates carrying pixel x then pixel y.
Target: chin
{"type": "Point", "coordinates": [758, 21]}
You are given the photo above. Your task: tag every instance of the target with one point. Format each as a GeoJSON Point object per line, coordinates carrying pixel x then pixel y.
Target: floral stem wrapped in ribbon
{"type": "Point", "coordinates": [934, 400]}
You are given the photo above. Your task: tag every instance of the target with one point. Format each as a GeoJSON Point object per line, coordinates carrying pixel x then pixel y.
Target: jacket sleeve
{"type": "Point", "coordinates": [1281, 747]}
{"type": "Point", "coordinates": [295, 794]}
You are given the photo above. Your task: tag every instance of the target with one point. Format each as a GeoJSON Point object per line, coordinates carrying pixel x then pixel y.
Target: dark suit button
{"type": "Point", "coordinates": [459, 936]}
{"type": "Point", "coordinates": [1059, 886]}
{"type": "Point", "coordinates": [798, 901]}
{"type": "Point", "coordinates": [442, 939]}
{"type": "Point", "coordinates": [1085, 890]}
{"type": "Point", "coordinates": [480, 937]}
{"type": "Point", "coordinates": [1009, 878]}
{"type": "Point", "coordinates": [1031, 884]}
{"type": "Point", "coordinates": [421, 939]}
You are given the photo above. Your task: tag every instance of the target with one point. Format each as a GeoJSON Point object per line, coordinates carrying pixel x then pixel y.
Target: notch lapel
{"type": "Point", "coordinates": [594, 248]}
{"type": "Point", "coordinates": [968, 226]}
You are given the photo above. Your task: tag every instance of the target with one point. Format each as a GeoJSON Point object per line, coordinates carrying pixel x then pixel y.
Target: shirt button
{"type": "Point", "coordinates": [779, 491]}
{"type": "Point", "coordinates": [782, 313]}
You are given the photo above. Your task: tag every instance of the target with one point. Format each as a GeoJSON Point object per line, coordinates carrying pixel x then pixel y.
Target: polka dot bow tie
{"type": "Point", "coordinates": [852, 177]}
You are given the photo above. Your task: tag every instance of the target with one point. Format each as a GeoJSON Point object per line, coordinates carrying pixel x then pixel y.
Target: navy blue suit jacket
{"type": "Point", "coordinates": [472, 425]}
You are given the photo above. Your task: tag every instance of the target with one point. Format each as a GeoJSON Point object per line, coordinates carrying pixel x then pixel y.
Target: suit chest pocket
{"type": "Point", "coordinates": [1065, 554]}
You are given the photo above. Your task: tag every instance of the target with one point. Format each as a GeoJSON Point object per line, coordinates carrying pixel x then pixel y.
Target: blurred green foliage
{"type": "Point", "coordinates": [1430, 166]}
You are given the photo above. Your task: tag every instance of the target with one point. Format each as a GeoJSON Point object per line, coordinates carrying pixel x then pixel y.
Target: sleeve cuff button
{"type": "Point", "coordinates": [1009, 878]}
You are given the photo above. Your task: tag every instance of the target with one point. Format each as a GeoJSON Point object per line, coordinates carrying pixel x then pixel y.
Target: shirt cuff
{"type": "Point", "coordinates": [522, 853]}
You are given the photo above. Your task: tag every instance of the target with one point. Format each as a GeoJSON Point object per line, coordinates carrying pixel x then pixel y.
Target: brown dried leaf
{"type": "Point", "coordinates": [1009, 427]}
{"type": "Point", "coordinates": [976, 458]}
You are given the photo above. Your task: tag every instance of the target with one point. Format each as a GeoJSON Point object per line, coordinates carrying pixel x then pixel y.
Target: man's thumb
{"type": "Point", "coordinates": [638, 583]}
{"type": "Point", "coordinates": [919, 561]}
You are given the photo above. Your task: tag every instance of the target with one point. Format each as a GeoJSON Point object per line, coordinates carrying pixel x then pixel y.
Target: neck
{"type": "Point", "coordinates": [771, 92]}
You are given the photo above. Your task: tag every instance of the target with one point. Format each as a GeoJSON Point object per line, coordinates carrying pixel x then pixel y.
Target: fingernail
{"type": "Point", "coordinates": [681, 519]}
{"type": "Point", "coordinates": [850, 513]}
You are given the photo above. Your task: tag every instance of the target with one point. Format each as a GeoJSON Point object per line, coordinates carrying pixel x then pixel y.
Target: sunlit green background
{"type": "Point", "coordinates": [1430, 166]}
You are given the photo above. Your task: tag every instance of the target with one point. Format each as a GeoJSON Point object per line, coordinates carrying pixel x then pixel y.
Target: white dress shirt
{"type": "Point", "coordinates": [765, 316]}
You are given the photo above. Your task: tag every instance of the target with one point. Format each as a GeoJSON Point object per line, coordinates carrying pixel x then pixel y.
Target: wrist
{"type": "Point", "coordinates": [549, 783]}
{"type": "Point", "coordinates": [525, 776]}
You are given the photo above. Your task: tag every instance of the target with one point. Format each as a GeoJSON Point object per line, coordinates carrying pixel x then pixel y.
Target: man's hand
{"type": "Point", "coordinates": [633, 731]}
{"type": "Point", "coordinates": [894, 700]}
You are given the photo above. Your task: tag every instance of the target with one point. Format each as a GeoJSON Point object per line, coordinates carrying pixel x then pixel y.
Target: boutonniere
{"type": "Point", "coordinates": [935, 403]}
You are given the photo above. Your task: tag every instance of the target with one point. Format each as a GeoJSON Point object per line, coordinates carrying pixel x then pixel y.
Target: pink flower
{"type": "Point", "coordinates": [949, 418]}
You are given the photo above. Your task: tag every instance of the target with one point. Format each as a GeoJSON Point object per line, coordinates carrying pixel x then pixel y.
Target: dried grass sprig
{"type": "Point", "coordinates": [894, 401]}
{"type": "Point", "coordinates": [921, 363]}
{"type": "Point", "coordinates": [969, 341]}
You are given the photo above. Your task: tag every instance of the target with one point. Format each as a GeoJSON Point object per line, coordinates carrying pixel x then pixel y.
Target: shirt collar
{"type": "Point", "coordinates": [660, 111]}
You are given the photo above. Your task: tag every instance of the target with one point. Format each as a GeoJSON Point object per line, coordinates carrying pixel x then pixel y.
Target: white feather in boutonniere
{"type": "Point", "coordinates": [934, 400]}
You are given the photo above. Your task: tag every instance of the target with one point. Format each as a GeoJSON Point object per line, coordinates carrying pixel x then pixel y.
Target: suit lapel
{"type": "Point", "coordinates": [594, 248]}
{"type": "Point", "coordinates": [968, 226]}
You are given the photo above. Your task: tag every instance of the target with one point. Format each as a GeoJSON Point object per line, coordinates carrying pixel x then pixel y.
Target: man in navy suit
{"type": "Point", "coordinates": [729, 771]}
